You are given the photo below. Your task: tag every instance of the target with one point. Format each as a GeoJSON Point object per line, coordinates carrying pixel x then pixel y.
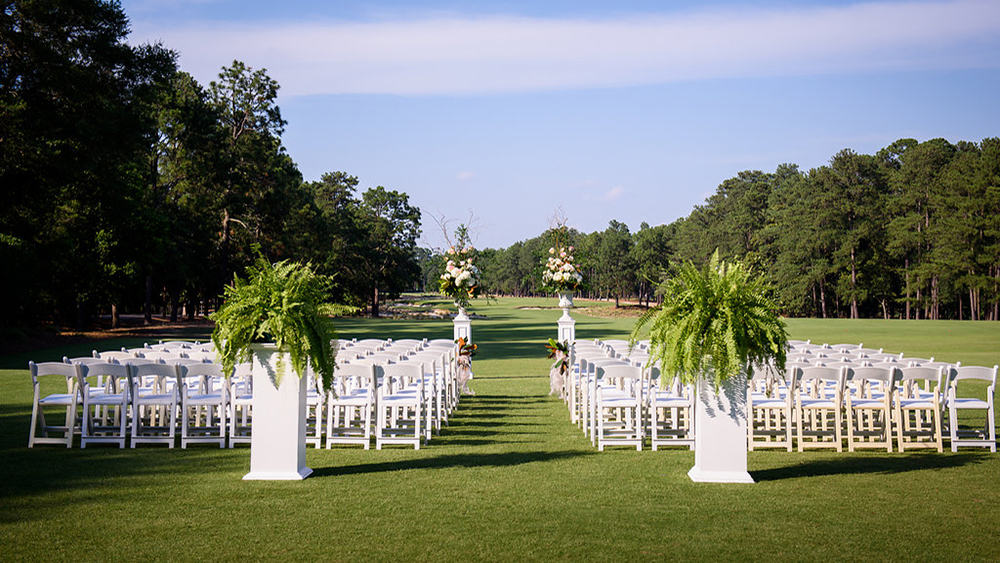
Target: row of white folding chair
{"type": "Point", "coordinates": [575, 383]}
{"type": "Point", "coordinates": [626, 401]}
{"type": "Point", "coordinates": [436, 389]}
{"type": "Point", "coordinates": [124, 397]}
{"type": "Point", "coordinates": [874, 398]}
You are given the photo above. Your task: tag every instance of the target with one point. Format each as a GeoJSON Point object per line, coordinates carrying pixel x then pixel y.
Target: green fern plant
{"type": "Point", "coordinates": [281, 302]}
{"type": "Point", "coordinates": [717, 321]}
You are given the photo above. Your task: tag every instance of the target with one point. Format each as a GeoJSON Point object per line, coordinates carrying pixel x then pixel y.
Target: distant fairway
{"type": "Point", "coordinates": [510, 478]}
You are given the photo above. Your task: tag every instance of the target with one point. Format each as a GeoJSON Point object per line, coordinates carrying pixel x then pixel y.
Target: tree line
{"type": "Point", "coordinates": [910, 232]}
{"type": "Point", "coordinates": [129, 186]}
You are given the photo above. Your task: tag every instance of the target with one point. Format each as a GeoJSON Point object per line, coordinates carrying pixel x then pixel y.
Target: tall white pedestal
{"type": "Point", "coordinates": [278, 439]}
{"type": "Point", "coordinates": [720, 426]}
{"type": "Point", "coordinates": [567, 327]}
{"type": "Point", "coordinates": [463, 326]}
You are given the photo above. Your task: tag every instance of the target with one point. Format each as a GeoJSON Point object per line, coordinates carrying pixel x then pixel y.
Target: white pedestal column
{"type": "Point", "coordinates": [463, 326]}
{"type": "Point", "coordinates": [278, 439]}
{"type": "Point", "coordinates": [567, 326]}
{"type": "Point", "coordinates": [720, 426]}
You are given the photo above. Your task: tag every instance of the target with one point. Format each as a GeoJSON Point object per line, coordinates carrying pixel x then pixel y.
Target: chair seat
{"type": "Point", "coordinates": [57, 399]}
{"type": "Point", "coordinates": [969, 403]}
{"type": "Point", "coordinates": [619, 400]}
{"type": "Point", "coordinates": [204, 399]}
{"type": "Point", "coordinates": [819, 404]}
{"type": "Point", "coordinates": [770, 403]}
{"type": "Point", "coordinates": [867, 403]}
{"type": "Point", "coordinates": [916, 404]}
{"type": "Point", "coordinates": [106, 399]}
{"type": "Point", "coordinates": [160, 398]}
{"type": "Point", "coordinates": [357, 397]}
{"type": "Point", "coordinates": [400, 399]}
{"type": "Point", "coordinates": [670, 401]}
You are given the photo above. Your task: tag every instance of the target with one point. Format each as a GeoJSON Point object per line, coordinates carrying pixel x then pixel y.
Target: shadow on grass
{"type": "Point", "coordinates": [447, 461]}
{"type": "Point", "coordinates": [867, 464]}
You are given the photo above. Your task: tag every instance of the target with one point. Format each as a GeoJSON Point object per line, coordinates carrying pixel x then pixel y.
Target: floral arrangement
{"type": "Point", "coordinates": [466, 349]}
{"type": "Point", "coordinates": [460, 279]}
{"type": "Point", "coordinates": [561, 274]}
{"type": "Point", "coordinates": [560, 352]}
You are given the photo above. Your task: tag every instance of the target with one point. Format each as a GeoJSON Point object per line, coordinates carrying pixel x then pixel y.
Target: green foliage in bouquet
{"type": "Point", "coordinates": [281, 302]}
{"type": "Point", "coordinates": [718, 320]}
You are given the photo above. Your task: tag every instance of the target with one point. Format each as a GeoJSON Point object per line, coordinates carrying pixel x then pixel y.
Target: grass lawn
{"type": "Point", "coordinates": [510, 478]}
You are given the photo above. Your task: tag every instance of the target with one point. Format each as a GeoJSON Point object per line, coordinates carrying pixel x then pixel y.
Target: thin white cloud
{"type": "Point", "coordinates": [465, 176]}
{"type": "Point", "coordinates": [613, 194]}
{"type": "Point", "coordinates": [455, 55]}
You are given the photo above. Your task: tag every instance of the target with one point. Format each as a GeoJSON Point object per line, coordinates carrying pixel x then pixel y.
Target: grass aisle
{"type": "Point", "coordinates": [509, 478]}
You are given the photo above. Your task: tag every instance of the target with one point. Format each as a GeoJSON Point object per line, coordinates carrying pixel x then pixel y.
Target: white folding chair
{"type": "Point", "coordinates": [818, 399]}
{"type": "Point", "coordinates": [349, 405]}
{"type": "Point", "coordinates": [985, 437]}
{"type": "Point", "coordinates": [770, 409]}
{"type": "Point", "coordinates": [315, 409]}
{"type": "Point", "coordinates": [202, 388]}
{"type": "Point", "coordinates": [400, 405]}
{"type": "Point", "coordinates": [869, 408]}
{"type": "Point", "coordinates": [241, 405]}
{"type": "Point", "coordinates": [69, 401]}
{"type": "Point", "coordinates": [619, 406]}
{"type": "Point", "coordinates": [918, 412]}
{"type": "Point", "coordinates": [154, 408]}
{"type": "Point", "coordinates": [671, 412]}
{"type": "Point", "coordinates": [113, 396]}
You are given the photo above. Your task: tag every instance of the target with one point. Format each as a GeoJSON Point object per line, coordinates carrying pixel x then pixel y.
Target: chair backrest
{"type": "Point", "coordinates": [73, 373]}
{"type": "Point", "coordinates": [157, 370]}
{"type": "Point", "coordinates": [122, 357]}
{"type": "Point", "coordinates": [917, 373]}
{"type": "Point", "coordinates": [871, 373]}
{"type": "Point", "coordinates": [596, 365]}
{"type": "Point", "coordinates": [618, 371]}
{"type": "Point", "coordinates": [162, 356]}
{"type": "Point", "coordinates": [87, 360]}
{"type": "Point", "coordinates": [199, 369]}
{"type": "Point", "coordinates": [365, 372]}
{"type": "Point", "coordinates": [822, 375]}
{"type": "Point", "coordinates": [201, 355]}
{"type": "Point", "coordinates": [113, 370]}
{"type": "Point", "coordinates": [976, 372]}
{"type": "Point", "coordinates": [405, 372]}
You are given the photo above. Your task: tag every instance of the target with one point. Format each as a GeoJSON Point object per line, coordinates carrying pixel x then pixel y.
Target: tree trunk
{"type": "Point", "coordinates": [116, 321]}
{"type": "Point", "coordinates": [175, 304]}
{"type": "Point", "coordinates": [190, 309]}
{"type": "Point", "coordinates": [822, 298]}
{"type": "Point", "coordinates": [147, 306]}
{"type": "Point", "coordinates": [854, 287]}
{"type": "Point", "coordinates": [375, 303]}
{"type": "Point", "coordinates": [885, 311]}
{"type": "Point", "coordinates": [935, 313]}
{"type": "Point", "coordinates": [906, 269]}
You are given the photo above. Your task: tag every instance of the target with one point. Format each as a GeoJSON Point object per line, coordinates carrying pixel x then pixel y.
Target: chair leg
{"type": "Point", "coordinates": [937, 430]}
{"type": "Point", "coordinates": [953, 426]}
{"type": "Point", "coordinates": [991, 425]}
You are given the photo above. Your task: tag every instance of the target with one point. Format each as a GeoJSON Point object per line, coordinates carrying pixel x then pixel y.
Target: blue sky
{"type": "Point", "coordinates": [633, 111]}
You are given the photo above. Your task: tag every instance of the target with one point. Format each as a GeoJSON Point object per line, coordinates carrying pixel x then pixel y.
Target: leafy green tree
{"type": "Point", "coordinates": [650, 255]}
{"type": "Point", "coordinates": [615, 272]}
{"type": "Point", "coordinates": [391, 226]}
{"type": "Point", "coordinates": [74, 97]}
